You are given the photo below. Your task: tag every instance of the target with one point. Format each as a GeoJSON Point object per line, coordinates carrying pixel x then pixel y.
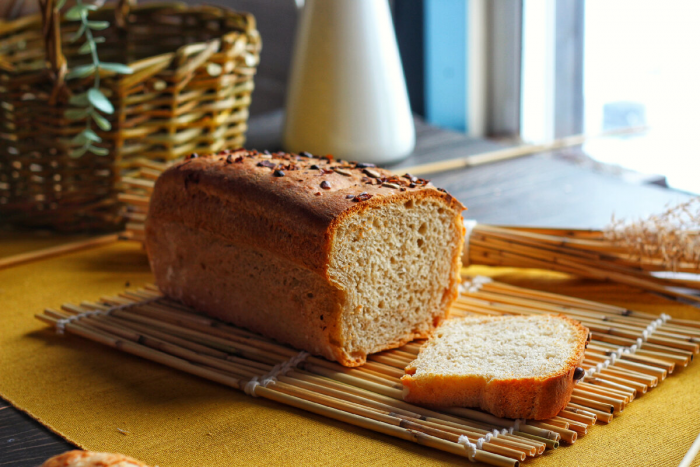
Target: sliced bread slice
{"type": "Point", "coordinates": [510, 366]}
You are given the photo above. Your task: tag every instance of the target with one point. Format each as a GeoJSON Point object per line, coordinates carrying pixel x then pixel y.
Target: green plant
{"type": "Point", "coordinates": [92, 104]}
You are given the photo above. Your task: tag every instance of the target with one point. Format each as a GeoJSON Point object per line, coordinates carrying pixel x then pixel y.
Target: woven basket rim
{"type": "Point", "coordinates": [9, 27]}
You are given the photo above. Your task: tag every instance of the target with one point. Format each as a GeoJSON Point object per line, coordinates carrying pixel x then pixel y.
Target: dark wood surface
{"type": "Point", "coordinates": [544, 189]}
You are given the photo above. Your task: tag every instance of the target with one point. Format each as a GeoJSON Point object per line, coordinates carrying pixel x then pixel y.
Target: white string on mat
{"type": "Point", "coordinates": [469, 225]}
{"type": "Point", "coordinates": [61, 323]}
{"type": "Point", "coordinates": [474, 284]}
{"type": "Point", "coordinates": [614, 355]}
{"type": "Point", "coordinates": [472, 447]}
{"type": "Point", "coordinates": [271, 377]}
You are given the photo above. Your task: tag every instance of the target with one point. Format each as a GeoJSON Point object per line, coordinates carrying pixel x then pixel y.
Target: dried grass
{"type": "Point", "coordinates": [672, 236]}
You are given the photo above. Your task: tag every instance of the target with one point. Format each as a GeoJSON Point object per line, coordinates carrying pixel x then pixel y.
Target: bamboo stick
{"type": "Point", "coordinates": [568, 436]}
{"type": "Point", "coordinates": [578, 417]}
{"type": "Point", "coordinates": [510, 153]}
{"type": "Point", "coordinates": [601, 416]}
{"type": "Point", "coordinates": [51, 252]}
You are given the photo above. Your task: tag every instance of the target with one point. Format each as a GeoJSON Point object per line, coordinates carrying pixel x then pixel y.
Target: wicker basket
{"type": "Point", "coordinates": [190, 92]}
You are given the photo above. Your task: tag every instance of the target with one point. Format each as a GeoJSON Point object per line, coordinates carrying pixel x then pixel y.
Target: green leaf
{"type": "Point", "coordinates": [86, 48]}
{"type": "Point", "coordinates": [75, 13]}
{"type": "Point", "coordinates": [81, 71]}
{"type": "Point", "coordinates": [99, 100]}
{"type": "Point", "coordinates": [99, 151]}
{"type": "Point", "coordinates": [99, 40]}
{"type": "Point", "coordinates": [79, 100]}
{"type": "Point", "coordinates": [79, 139]}
{"type": "Point", "coordinates": [98, 25]}
{"type": "Point", "coordinates": [76, 114]}
{"type": "Point", "coordinates": [60, 4]}
{"type": "Point", "coordinates": [86, 137]}
{"type": "Point", "coordinates": [78, 34]}
{"type": "Point", "coordinates": [102, 122]}
{"type": "Point", "coordinates": [117, 68]}
{"type": "Point", "coordinates": [91, 7]}
{"type": "Point", "coordinates": [91, 135]}
{"type": "Point", "coordinates": [75, 153]}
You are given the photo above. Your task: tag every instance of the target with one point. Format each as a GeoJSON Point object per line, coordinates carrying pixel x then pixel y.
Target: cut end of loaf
{"type": "Point", "coordinates": [398, 266]}
{"type": "Point", "coordinates": [515, 367]}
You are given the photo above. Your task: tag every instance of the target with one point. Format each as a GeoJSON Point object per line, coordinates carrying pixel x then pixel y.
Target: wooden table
{"type": "Point", "coordinates": [543, 189]}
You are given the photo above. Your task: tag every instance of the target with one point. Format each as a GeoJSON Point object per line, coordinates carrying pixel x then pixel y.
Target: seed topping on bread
{"type": "Point", "coordinates": [332, 172]}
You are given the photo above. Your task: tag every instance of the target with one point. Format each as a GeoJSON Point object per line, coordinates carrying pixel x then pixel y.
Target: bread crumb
{"type": "Point", "coordinates": [124, 432]}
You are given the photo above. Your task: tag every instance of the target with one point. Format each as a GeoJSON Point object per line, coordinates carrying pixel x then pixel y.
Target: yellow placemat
{"type": "Point", "coordinates": [88, 393]}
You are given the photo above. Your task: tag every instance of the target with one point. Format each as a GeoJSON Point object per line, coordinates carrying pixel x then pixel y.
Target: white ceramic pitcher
{"type": "Point", "coordinates": [347, 93]}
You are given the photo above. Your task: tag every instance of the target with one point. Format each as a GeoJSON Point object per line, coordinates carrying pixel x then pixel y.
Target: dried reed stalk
{"type": "Point", "coordinates": [670, 239]}
{"type": "Point", "coordinates": [626, 252]}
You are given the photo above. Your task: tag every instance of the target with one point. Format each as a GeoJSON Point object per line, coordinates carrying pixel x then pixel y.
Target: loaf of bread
{"type": "Point", "coordinates": [78, 458]}
{"type": "Point", "coordinates": [336, 258]}
{"type": "Point", "coordinates": [510, 366]}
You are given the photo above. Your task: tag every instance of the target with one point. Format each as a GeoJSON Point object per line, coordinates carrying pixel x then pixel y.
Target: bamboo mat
{"type": "Point", "coordinates": [87, 393]}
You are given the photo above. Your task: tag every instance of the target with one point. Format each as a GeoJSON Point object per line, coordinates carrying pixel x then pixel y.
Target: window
{"type": "Point", "coordinates": [642, 67]}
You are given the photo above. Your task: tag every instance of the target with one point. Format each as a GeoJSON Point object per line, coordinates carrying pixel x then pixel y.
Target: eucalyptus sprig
{"type": "Point", "coordinates": [89, 105]}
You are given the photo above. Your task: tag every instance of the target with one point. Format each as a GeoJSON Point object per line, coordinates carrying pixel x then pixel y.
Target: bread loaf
{"type": "Point", "coordinates": [336, 258]}
{"type": "Point", "coordinates": [78, 458]}
{"type": "Point", "coordinates": [511, 366]}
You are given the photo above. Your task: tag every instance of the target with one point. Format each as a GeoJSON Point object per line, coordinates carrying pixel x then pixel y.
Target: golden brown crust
{"type": "Point", "coordinates": [530, 398]}
{"type": "Point", "coordinates": [299, 215]}
{"type": "Point", "coordinates": [281, 206]}
{"type": "Point", "coordinates": [78, 458]}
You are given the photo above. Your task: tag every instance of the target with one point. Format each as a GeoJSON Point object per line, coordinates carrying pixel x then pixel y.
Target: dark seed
{"type": "Point", "coordinates": [364, 196]}
{"type": "Point", "coordinates": [266, 152]}
{"type": "Point", "coordinates": [315, 167]}
{"type": "Point", "coordinates": [442, 189]}
{"type": "Point", "coordinates": [194, 155]}
{"type": "Point", "coordinates": [325, 185]}
{"type": "Point", "coordinates": [579, 373]}
{"type": "Point", "coordinates": [365, 165]}
{"type": "Point", "coordinates": [229, 159]}
{"type": "Point", "coordinates": [267, 164]}
{"type": "Point", "coordinates": [239, 159]}
{"type": "Point", "coordinates": [372, 173]}
{"type": "Point", "coordinates": [349, 196]}
{"type": "Point", "coordinates": [278, 173]}
{"type": "Point", "coordinates": [305, 154]}
{"type": "Point", "coordinates": [412, 185]}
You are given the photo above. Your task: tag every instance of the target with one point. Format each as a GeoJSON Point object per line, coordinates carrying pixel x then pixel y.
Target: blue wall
{"type": "Point", "coordinates": [446, 63]}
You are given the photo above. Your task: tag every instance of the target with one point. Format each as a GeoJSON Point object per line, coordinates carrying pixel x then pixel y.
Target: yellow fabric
{"type": "Point", "coordinates": [87, 392]}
